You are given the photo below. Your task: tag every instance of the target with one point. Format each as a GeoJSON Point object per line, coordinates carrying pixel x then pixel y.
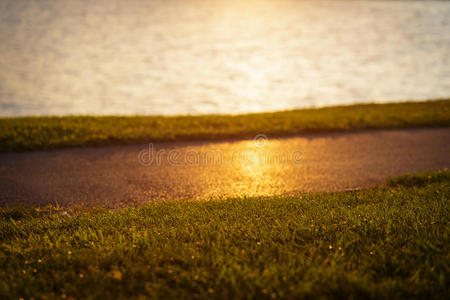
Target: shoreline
{"type": "Point", "coordinates": [46, 133]}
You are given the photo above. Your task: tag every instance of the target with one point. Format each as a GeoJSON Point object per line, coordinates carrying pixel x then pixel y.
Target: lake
{"type": "Point", "coordinates": [198, 57]}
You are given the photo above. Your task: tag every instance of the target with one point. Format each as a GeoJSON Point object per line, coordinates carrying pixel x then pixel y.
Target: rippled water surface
{"type": "Point", "coordinates": [191, 57]}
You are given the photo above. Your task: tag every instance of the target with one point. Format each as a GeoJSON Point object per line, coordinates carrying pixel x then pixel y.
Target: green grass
{"type": "Point", "coordinates": [386, 242]}
{"type": "Point", "coordinates": [40, 133]}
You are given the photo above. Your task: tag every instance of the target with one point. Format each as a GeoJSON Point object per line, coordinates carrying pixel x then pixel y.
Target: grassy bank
{"type": "Point", "coordinates": [386, 242]}
{"type": "Point", "coordinates": [38, 133]}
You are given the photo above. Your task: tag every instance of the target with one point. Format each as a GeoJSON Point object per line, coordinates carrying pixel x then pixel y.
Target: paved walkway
{"type": "Point", "coordinates": [124, 175]}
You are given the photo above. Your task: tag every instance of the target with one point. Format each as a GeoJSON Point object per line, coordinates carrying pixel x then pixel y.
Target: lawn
{"type": "Point", "coordinates": [40, 133]}
{"type": "Point", "coordinates": [391, 241]}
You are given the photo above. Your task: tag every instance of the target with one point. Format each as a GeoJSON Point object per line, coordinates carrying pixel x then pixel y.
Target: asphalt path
{"type": "Point", "coordinates": [131, 175]}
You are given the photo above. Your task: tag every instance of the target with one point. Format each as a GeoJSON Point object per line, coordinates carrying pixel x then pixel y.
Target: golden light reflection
{"type": "Point", "coordinates": [252, 162]}
{"type": "Point", "coordinates": [218, 56]}
{"type": "Point", "coordinates": [257, 166]}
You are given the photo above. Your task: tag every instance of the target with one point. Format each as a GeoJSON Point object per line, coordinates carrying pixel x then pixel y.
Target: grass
{"type": "Point", "coordinates": [387, 242]}
{"type": "Point", "coordinates": [40, 133]}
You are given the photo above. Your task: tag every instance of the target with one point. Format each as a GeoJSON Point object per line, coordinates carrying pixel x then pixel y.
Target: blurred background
{"type": "Point", "coordinates": [218, 56]}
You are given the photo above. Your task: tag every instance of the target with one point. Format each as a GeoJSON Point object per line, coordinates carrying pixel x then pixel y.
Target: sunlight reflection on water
{"type": "Point", "coordinates": [191, 57]}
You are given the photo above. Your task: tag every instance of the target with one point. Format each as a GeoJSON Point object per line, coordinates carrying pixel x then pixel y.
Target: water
{"type": "Point", "coordinates": [194, 57]}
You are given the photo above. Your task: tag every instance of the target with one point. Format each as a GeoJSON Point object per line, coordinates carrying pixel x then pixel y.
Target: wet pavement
{"type": "Point", "coordinates": [129, 175]}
